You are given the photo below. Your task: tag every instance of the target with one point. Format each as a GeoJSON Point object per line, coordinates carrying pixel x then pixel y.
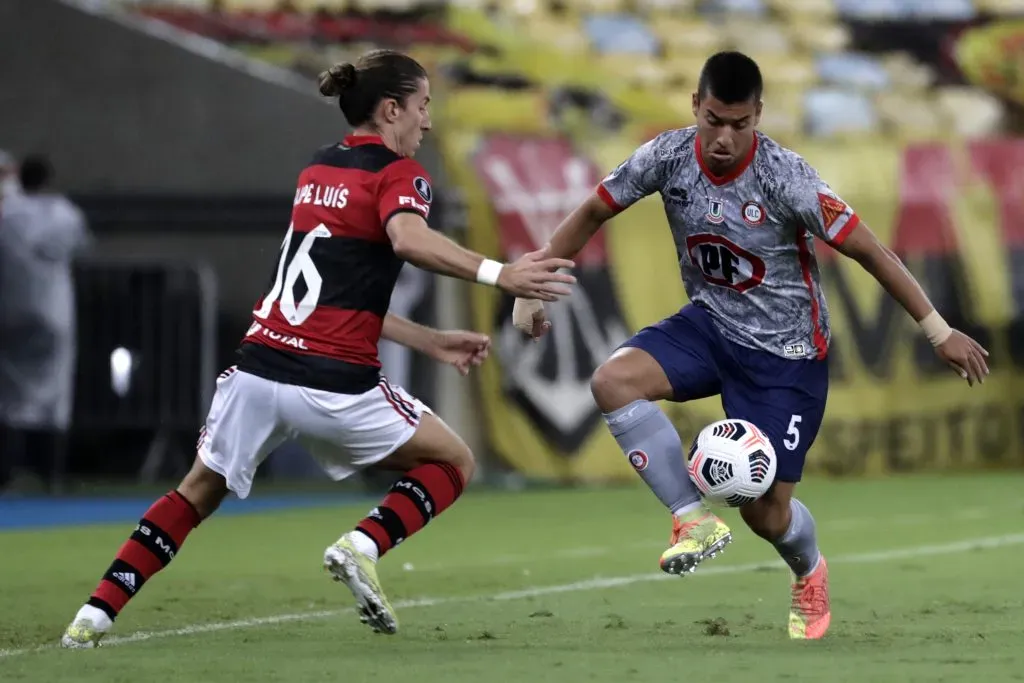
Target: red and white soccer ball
{"type": "Point", "coordinates": [732, 463]}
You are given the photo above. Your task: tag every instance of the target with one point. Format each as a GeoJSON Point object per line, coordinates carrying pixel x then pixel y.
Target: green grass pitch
{"type": "Point", "coordinates": [548, 586]}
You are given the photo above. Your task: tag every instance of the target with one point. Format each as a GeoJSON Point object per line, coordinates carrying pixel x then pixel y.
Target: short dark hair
{"type": "Point", "coordinates": [377, 75]}
{"type": "Point", "coordinates": [35, 172]}
{"type": "Point", "coordinates": [731, 77]}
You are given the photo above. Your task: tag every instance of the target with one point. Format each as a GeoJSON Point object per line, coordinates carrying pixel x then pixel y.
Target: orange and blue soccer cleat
{"type": "Point", "coordinates": [696, 537]}
{"type": "Point", "coordinates": [810, 611]}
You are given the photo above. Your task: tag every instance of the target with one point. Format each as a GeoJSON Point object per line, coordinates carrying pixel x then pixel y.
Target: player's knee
{"type": "Point", "coordinates": [203, 488]}
{"type": "Point", "coordinates": [614, 386]}
{"type": "Point", "coordinates": [462, 458]}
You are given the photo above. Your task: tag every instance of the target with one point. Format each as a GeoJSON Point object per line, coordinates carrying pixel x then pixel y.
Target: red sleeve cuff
{"type": "Point", "coordinates": [838, 240]}
{"type": "Point", "coordinates": [607, 198]}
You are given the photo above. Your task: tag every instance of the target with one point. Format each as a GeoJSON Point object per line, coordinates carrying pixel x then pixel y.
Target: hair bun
{"type": "Point", "coordinates": [337, 79]}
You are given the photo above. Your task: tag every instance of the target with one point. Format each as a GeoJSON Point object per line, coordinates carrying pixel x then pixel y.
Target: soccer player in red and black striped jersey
{"type": "Point", "coordinates": [309, 368]}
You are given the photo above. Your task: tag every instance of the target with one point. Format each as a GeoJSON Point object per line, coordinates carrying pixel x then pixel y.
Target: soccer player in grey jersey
{"type": "Point", "coordinates": [743, 211]}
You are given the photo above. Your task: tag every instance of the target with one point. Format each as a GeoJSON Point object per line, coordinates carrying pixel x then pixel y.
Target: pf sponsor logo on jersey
{"type": "Point", "coordinates": [639, 460]}
{"type": "Point", "coordinates": [753, 214]}
{"type": "Point", "coordinates": [716, 211]}
{"type": "Point", "coordinates": [423, 189]}
{"type": "Point", "coordinates": [725, 263]}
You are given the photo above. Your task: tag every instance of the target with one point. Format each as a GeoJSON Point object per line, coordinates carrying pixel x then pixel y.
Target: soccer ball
{"type": "Point", "coordinates": [732, 463]}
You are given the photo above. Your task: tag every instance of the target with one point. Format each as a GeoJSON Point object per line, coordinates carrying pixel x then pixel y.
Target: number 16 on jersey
{"type": "Point", "coordinates": [288, 274]}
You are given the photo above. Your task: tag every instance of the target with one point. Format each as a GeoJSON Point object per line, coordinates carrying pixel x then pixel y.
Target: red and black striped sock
{"type": "Point", "coordinates": [412, 501]}
{"type": "Point", "coordinates": [153, 544]}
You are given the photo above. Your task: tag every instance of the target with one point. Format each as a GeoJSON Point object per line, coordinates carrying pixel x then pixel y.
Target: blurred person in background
{"type": "Point", "coordinates": [9, 184]}
{"type": "Point", "coordinates": [41, 233]}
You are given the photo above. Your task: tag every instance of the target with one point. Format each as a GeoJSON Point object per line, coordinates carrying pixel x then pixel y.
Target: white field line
{"type": "Point", "coordinates": [883, 556]}
{"type": "Point", "coordinates": [840, 525]}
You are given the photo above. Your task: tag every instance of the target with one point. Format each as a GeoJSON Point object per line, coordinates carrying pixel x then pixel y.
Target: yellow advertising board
{"type": "Point", "coordinates": [950, 210]}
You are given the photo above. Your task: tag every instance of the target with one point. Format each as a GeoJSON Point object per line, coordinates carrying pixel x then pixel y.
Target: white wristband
{"type": "Point", "coordinates": [935, 328]}
{"type": "Point", "coordinates": [488, 272]}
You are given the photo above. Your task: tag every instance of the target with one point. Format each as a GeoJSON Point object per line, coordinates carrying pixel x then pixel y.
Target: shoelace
{"type": "Point", "coordinates": [810, 598]}
{"type": "Point", "coordinates": [679, 528]}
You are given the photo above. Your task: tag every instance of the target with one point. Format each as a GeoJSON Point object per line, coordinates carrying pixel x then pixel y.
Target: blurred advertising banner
{"type": "Point", "coordinates": [954, 212]}
{"type": "Point", "coordinates": [991, 56]}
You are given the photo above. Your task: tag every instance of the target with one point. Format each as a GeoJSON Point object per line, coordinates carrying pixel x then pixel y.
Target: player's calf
{"type": "Point", "coordinates": [156, 540]}
{"type": "Point", "coordinates": [789, 526]}
{"type": "Point", "coordinates": [625, 388]}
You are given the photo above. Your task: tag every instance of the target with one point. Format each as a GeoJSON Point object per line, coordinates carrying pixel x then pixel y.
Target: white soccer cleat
{"type": "Point", "coordinates": [359, 572]}
{"type": "Point", "coordinates": [87, 629]}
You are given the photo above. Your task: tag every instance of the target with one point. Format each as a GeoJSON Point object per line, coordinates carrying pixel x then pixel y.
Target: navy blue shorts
{"type": "Point", "coordinates": [785, 398]}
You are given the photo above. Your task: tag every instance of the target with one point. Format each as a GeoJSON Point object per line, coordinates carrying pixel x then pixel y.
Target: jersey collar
{"type": "Point", "coordinates": [356, 140]}
{"type": "Point", "coordinates": [733, 174]}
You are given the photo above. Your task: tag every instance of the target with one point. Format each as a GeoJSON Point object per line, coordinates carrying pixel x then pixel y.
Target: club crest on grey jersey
{"type": "Point", "coordinates": [745, 245]}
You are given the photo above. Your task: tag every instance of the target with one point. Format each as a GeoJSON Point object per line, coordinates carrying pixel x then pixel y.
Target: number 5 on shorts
{"type": "Point", "coordinates": [794, 432]}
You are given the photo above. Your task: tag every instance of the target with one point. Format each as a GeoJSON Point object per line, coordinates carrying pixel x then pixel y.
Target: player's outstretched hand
{"type": "Point", "coordinates": [461, 349]}
{"type": "Point", "coordinates": [529, 317]}
{"type": "Point", "coordinates": [534, 276]}
{"type": "Point", "coordinates": [965, 356]}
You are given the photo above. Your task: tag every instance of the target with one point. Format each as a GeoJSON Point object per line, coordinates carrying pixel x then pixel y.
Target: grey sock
{"type": "Point", "coordinates": [799, 545]}
{"type": "Point", "coordinates": [652, 445]}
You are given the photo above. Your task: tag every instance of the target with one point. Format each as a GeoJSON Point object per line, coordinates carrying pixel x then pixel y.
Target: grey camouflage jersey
{"type": "Point", "coordinates": [742, 240]}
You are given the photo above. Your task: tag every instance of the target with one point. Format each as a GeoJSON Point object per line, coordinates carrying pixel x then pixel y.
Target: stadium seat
{"type": "Point", "coordinates": [947, 10]}
{"type": "Point", "coordinates": [556, 33]}
{"type": "Point", "coordinates": [971, 112]}
{"type": "Point", "coordinates": [906, 73]}
{"type": "Point", "coordinates": [858, 71]}
{"type": "Point", "coordinates": [783, 112]}
{"type": "Point", "coordinates": [618, 33]}
{"type": "Point", "coordinates": [872, 9]}
{"type": "Point", "coordinates": [1012, 7]}
{"type": "Point", "coordinates": [689, 35]}
{"type": "Point", "coordinates": [836, 112]}
{"type": "Point", "coordinates": [672, 8]}
{"type": "Point", "coordinates": [818, 35]}
{"type": "Point", "coordinates": [757, 38]}
{"type": "Point", "coordinates": [808, 9]}
{"type": "Point", "coordinates": [789, 70]}
{"type": "Point", "coordinates": [909, 117]}
{"type": "Point", "coordinates": [595, 6]}
{"type": "Point", "coordinates": [748, 7]}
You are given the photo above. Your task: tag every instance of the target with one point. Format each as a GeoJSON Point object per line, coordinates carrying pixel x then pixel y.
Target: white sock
{"type": "Point", "coordinates": [688, 508]}
{"type": "Point", "coordinates": [364, 544]}
{"type": "Point", "coordinates": [98, 617]}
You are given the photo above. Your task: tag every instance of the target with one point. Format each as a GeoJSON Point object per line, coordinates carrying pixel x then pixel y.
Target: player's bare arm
{"type": "Point", "coordinates": [958, 350]}
{"type": "Point", "coordinates": [578, 227]}
{"type": "Point", "coordinates": [569, 238]}
{"type": "Point", "coordinates": [533, 275]}
{"type": "Point", "coordinates": [458, 348]}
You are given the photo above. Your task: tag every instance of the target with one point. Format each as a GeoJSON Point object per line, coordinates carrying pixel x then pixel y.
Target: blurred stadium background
{"type": "Point", "coordinates": [178, 126]}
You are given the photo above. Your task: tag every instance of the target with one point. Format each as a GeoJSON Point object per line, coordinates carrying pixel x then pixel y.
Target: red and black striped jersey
{"type": "Point", "coordinates": [319, 322]}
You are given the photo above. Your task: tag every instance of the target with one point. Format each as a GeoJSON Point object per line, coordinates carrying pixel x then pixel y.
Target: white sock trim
{"type": "Point", "coordinates": [364, 544]}
{"type": "Point", "coordinates": [98, 617]}
{"type": "Point", "coordinates": [687, 509]}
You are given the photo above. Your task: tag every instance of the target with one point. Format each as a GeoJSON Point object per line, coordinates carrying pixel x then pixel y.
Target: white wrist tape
{"type": "Point", "coordinates": [935, 328]}
{"type": "Point", "coordinates": [523, 311]}
{"type": "Point", "coordinates": [488, 272]}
